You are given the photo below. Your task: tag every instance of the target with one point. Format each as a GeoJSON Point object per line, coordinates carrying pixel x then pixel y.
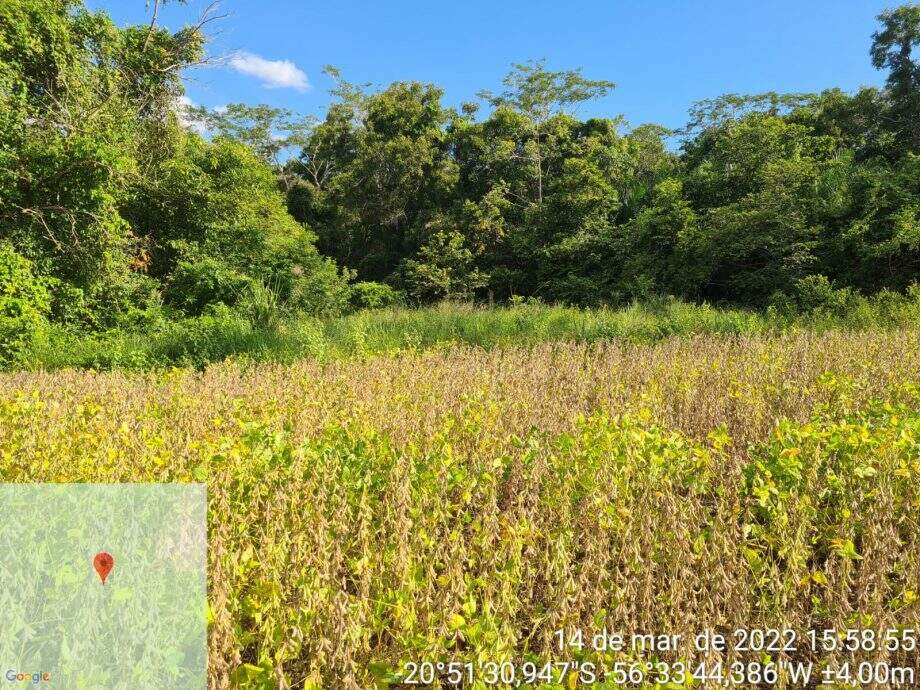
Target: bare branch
{"type": "Point", "coordinates": [209, 15]}
{"type": "Point", "coordinates": [153, 22]}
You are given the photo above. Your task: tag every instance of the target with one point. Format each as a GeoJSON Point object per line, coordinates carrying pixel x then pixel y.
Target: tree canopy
{"type": "Point", "coordinates": [113, 210]}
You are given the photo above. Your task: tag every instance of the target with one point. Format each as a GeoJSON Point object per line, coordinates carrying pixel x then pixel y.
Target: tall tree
{"type": "Point", "coordinates": [892, 49]}
{"type": "Point", "coordinates": [539, 94]}
{"type": "Point", "coordinates": [375, 172]}
{"type": "Point", "coordinates": [272, 133]}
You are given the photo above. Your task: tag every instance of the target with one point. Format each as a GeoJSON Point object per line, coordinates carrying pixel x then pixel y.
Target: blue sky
{"type": "Point", "coordinates": [662, 54]}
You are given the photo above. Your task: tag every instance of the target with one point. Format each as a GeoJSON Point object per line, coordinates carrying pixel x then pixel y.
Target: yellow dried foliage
{"type": "Point", "coordinates": [464, 504]}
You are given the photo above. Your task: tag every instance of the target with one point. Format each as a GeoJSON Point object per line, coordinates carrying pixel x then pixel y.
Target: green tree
{"type": "Point", "coordinates": [647, 246]}
{"type": "Point", "coordinates": [66, 131]}
{"type": "Point", "coordinates": [86, 108]}
{"type": "Point", "coordinates": [213, 222]}
{"type": "Point", "coordinates": [376, 171]}
{"type": "Point", "coordinates": [110, 200]}
{"type": "Point", "coordinates": [755, 183]}
{"type": "Point", "coordinates": [878, 242]}
{"type": "Point", "coordinates": [539, 94]}
{"type": "Point", "coordinates": [442, 269]}
{"type": "Point", "coordinates": [892, 49]}
{"type": "Point", "coordinates": [273, 133]}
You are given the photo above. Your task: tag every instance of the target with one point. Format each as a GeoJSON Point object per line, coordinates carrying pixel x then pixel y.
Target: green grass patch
{"type": "Point", "coordinates": [197, 342]}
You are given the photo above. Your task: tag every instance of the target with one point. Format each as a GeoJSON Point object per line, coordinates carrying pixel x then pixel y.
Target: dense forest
{"type": "Point", "coordinates": [117, 213]}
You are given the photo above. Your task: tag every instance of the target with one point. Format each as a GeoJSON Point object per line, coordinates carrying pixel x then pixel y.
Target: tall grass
{"type": "Point", "coordinates": [464, 503]}
{"type": "Point", "coordinates": [198, 342]}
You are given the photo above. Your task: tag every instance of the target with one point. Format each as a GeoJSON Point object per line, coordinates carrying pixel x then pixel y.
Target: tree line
{"type": "Point", "coordinates": [114, 212]}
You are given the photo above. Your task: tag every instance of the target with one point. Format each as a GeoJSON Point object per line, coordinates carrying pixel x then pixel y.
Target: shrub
{"type": "Point", "coordinates": [200, 282]}
{"type": "Point", "coordinates": [814, 294]}
{"type": "Point", "coordinates": [371, 295]}
{"type": "Point", "coordinates": [198, 341]}
{"type": "Point", "coordinates": [24, 304]}
{"type": "Point", "coordinates": [318, 288]}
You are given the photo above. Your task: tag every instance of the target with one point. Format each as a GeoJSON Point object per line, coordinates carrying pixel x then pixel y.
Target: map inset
{"type": "Point", "coordinates": [144, 627]}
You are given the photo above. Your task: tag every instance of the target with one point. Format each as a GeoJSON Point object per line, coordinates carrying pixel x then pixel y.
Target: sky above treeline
{"type": "Point", "coordinates": [663, 54]}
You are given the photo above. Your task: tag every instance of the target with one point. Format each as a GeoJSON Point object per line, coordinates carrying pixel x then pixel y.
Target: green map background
{"type": "Point", "coordinates": [146, 627]}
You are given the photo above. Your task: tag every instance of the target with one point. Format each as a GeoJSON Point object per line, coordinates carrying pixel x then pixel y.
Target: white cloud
{"type": "Point", "coordinates": [275, 74]}
{"type": "Point", "coordinates": [186, 118]}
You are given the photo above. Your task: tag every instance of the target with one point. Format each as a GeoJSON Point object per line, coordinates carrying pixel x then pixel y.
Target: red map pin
{"type": "Point", "coordinates": [103, 563]}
